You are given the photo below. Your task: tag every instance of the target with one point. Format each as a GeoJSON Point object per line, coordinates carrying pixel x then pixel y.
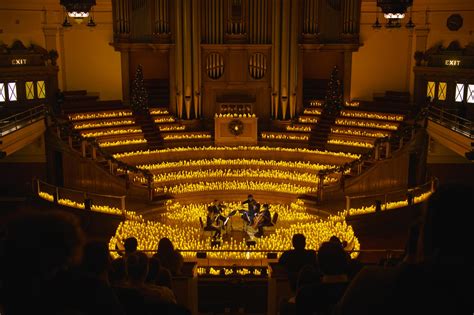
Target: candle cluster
{"type": "Point", "coordinates": [360, 132]}
{"type": "Point", "coordinates": [166, 119]}
{"type": "Point", "coordinates": [221, 271]}
{"type": "Point", "coordinates": [104, 123]}
{"type": "Point", "coordinates": [217, 162]}
{"type": "Point", "coordinates": [301, 128]}
{"type": "Point", "coordinates": [240, 173]}
{"type": "Point", "coordinates": [236, 185]}
{"type": "Point", "coordinates": [238, 148]}
{"type": "Point", "coordinates": [312, 111]}
{"type": "Point", "coordinates": [234, 115]}
{"type": "Point", "coordinates": [111, 132]}
{"type": "Point", "coordinates": [352, 104]}
{"type": "Point", "coordinates": [371, 115]}
{"type": "Point", "coordinates": [308, 120]}
{"type": "Point", "coordinates": [351, 143]}
{"type": "Point", "coordinates": [105, 144]}
{"type": "Point", "coordinates": [159, 111]}
{"type": "Point", "coordinates": [187, 237]}
{"type": "Point", "coordinates": [316, 103]}
{"type": "Point", "coordinates": [99, 115]}
{"type": "Point", "coordinates": [187, 136]}
{"type": "Point", "coordinates": [366, 123]}
{"type": "Point", "coordinates": [284, 136]}
{"type": "Point", "coordinates": [172, 128]}
{"type": "Point", "coordinates": [46, 196]}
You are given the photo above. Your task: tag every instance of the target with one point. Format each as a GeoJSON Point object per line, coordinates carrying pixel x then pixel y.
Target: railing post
{"type": "Point", "coordinates": [94, 153]}
{"type": "Point", "coordinates": [84, 148]}
{"type": "Point", "coordinates": [320, 187]}
{"type": "Point", "coordinates": [122, 203]}
{"type": "Point", "coordinates": [401, 142]}
{"type": "Point", "coordinates": [37, 186]}
{"type": "Point", "coordinates": [377, 152]}
{"type": "Point", "coordinates": [385, 201]}
{"type": "Point", "coordinates": [56, 195]}
{"type": "Point", "coordinates": [348, 204]}
{"type": "Point", "coordinates": [69, 139]}
{"type": "Point", "coordinates": [359, 168]}
{"type": "Point", "coordinates": [387, 150]}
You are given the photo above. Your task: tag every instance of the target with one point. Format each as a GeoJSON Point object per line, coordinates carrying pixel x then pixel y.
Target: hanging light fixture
{"type": "Point", "coordinates": [377, 25]}
{"type": "Point", "coordinates": [394, 11]}
{"type": "Point", "coordinates": [78, 9]}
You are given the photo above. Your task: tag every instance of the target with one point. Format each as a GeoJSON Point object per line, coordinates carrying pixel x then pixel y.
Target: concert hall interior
{"type": "Point", "coordinates": [236, 156]}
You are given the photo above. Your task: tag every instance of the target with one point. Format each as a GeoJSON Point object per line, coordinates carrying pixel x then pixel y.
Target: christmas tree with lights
{"type": "Point", "coordinates": [139, 94]}
{"type": "Point", "coordinates": [333, 100]}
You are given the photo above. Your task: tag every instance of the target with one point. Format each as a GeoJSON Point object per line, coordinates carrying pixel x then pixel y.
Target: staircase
{"type": "Point", "coordinates": [150, 130]}
{"type": "Point", "coordinates": [320, 134]}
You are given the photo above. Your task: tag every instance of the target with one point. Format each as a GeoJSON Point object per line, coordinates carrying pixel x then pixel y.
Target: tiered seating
{"type": "Point", "coordinates": [299, 131]}
{"type": "Point", "coordinates": [359, 128]}
{"type": "Point", "coordinates": [174, 132]}
{"type": "Point", "coordinates": [290, 172]}
{"type": "Point", "coordinates": [115, 130]}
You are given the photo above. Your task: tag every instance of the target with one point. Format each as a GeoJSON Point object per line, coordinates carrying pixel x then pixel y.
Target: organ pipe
{"type": "Point", "coordinates": [196, 62]}
{"type": "Point", "coordinates": [179, 59]}
{"type": "Point", "coordinates": [311, 17]}
{"type": "Point", "coordinates": [293, 63]}
{"type": "Point", "coordinates": [187, 50]}
{"type": "Point", "coordinates": [276, 53]}
{"type": "Point", "coordinates": [285, 45]}
{"type": "Point", "coordinates": [351, 16]}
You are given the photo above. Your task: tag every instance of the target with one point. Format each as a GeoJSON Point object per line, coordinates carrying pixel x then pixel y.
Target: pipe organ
{"type": "Point", "coordinates": [234, 49]}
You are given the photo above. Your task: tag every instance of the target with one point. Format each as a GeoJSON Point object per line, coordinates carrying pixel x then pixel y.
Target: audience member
{"type": "Point", "coordinates": [321, 297]}
{"type": "Point", "coordinates": [169, 258]}
{"type": "Point", "coordinates": [293, 260]}
{"type": "Point", "coordinates": [130, 245]}
{"type": "Point", "coordinates": [137, 267]}
{"type": "Point", "coordinates": [438, 281]}
{"type": "Point", "coordinates": [118, 272]}
{"type": "Point", "coordinates": [37, 248]}
{"type": "Point", "coordinates": [158, 274]}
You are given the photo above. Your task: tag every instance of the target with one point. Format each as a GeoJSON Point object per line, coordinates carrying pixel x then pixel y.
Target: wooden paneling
{"type": "Point", "coordinates": [319, 65]}
{"type": "Point", "coordinates": [155, 64]}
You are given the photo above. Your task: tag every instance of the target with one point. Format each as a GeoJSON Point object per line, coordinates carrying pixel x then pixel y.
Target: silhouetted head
{"type": "Point", "coordinates": [332, 259]}
{"type": "Point", "coordinates": [299, 241]}
{"type": "Point", "coordinates": [130, 245]}
{"type": "Point", "coordinates": [165, 246]}
{"type": "Point", "coordinates": [250, 197]}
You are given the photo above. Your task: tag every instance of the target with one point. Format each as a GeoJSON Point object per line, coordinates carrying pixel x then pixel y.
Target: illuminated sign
{"type": "Point", "coordinates": [452, 62]}
{"type": "Point", "coordinates": [19, 62]}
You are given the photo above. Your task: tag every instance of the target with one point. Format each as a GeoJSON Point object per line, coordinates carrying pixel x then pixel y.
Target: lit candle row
{"type": "Point", "coordinates": [284, 136]}
{"type": "Point", "coordinates": [98, 115]}
{"type": "Point", "coordinates": [351, 143]}
{"type": "Point", "coordinates": [218, 162]}
{"type": "Point", "coordinates": [352, 104]}
{"type": "Point", "coordinates": [102, 124]}
{"type": "Point", "coordinates": [366, 124]}
{"type": "Point", "coordinates": [360, 132]}
{"type": "Point", "coordinates": [308, 120]}
{"type": "Point", "coordinates": [371, 115]}
{"type": "Point", "coordinates": [159, 111]}
{"type": "Point", "coordinates": [312, 111]}
{"type": "Point", "coordinates": [299, 128]}
{"type": "Point", "coordinates": [187, 136]}
{"type": "Point", "coordinates": [111, 132]}
{"type": "Point", "coordinates": [121, 142]}
{"type": "Point", "coordinates": [172, 128]}
{"type": "Point", "coordinates": [160, 120]}
{"type": "Point", "coordinates": [238, 148]}
{"type": "Point", "coordinates": [234, 115]}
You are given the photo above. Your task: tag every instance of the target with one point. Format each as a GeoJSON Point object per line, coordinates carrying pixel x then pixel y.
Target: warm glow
{"type": "Point", "coordinates": [366, 123]}
{"type": "Point", "coordinates": [111, 132]}
{"type": "Point", "coordinates": [187, 136]}
{"type": "Point", "coordinates": [312, 111]}
{"type": "Point", "coordinates": [351, 143]}
{"type": "Point", "coordinates": [99, 115]}
{"type": "Point", "coordinates": [121, 142]}
{"type": "Point", "coordinates": [234, 115]}
{"type": "Point", "coordinates": [172, 128]}
{"type": "Point", "coordinates": [371, 115]}
{"type": "Point", "coordinates": [359, 132]}
{"type": "Point", "coordinates": [102, 124]}
{"type": "Point", "coordinates": [308, 120]}
{"type": "Point", "coordinates": [301, 128]}
{"type": "Point", "coordinates": [284, 136]}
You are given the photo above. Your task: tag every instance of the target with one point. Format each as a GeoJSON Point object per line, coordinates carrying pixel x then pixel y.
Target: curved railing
{"type": "Point", "coordinates": [17, 121]}
{"type": "Point", "coordinates": [376, 152]}
{"type": "Point", "coordinates": [393, 199]}
{"type": "Point", "coordinates": [91, 146]}
{"type": "Point", "coordinates": [452, 121]}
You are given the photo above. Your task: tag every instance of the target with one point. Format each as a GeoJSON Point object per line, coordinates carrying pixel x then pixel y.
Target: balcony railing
{"type": "Point", "coordinates": [17, 121]}
{"type": "Point", "coordinates": [451, 121]}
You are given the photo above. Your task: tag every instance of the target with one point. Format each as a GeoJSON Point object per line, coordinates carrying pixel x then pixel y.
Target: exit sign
{"type": "Point", "coordinates": [452, 62]}
{"type": "Point", "coordinates": [21, 61]}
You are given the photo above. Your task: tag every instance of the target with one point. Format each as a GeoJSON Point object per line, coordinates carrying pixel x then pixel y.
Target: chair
{"type": "Point", "coordinates": [203, 230]}
{"type": "Point", "coordinates": [271, 228]}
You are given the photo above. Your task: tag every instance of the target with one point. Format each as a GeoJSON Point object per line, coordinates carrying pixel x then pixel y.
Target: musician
{"type": "Point", "coordinates": [216, 209]}
{"type": "Point", "coordinates": [212, 223]}
{"type": "Point", "coordinates": [264, 218]}
{"type": "Point", "coordinates": [252, 207]}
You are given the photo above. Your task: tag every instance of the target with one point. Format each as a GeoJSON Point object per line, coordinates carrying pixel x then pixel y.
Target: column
{"type": "Point", "coordinates": [347, 76]}
{"type": "Point", "coordinates": [125, 67]}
